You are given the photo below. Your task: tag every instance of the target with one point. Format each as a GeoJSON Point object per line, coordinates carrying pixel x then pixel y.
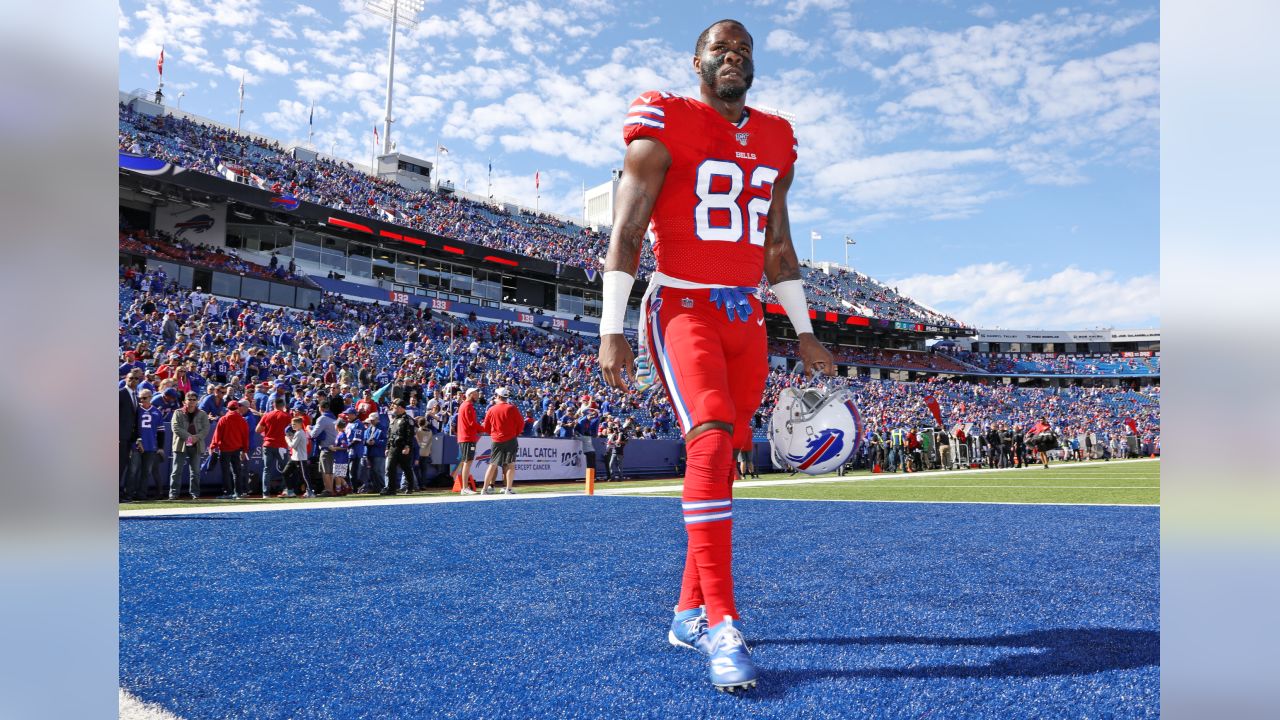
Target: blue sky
{"type": "Point", "coordinates": [997, 160]}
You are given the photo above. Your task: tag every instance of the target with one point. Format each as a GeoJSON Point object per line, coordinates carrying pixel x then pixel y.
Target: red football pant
{"type": "Point", "coordinates": [713, 369]}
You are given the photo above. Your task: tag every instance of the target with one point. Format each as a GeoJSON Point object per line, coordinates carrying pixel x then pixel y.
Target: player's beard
{"type": "Point", "coordinates": [711, 76]}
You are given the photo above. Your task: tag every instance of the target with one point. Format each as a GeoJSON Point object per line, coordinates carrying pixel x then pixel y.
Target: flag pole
{"type": "Point", "coordinates": [490, 190]}
{"type": "Point", "coordinates": [240, 113]}
{"type": "Point", "coordinates": [311, 125]}
{"type": "Point", "coordinates": [437, 165]}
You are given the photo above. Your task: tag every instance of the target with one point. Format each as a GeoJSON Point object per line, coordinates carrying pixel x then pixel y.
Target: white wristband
{"type": "Point", "coordinates": [790, 294]}
{"type": "Point", "coordinates": [613, 311]}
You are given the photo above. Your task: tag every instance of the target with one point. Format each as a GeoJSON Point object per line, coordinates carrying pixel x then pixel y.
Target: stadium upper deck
{"type": "Point", "coordinates": [217, 151]}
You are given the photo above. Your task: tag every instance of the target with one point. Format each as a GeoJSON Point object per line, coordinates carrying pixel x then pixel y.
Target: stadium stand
{"type": "Point", "coordinates": [347, 347]}
{"type": "Point", "coordinates": [1060, 364]}
{"type": "Point", "coordinates": [218, 151]}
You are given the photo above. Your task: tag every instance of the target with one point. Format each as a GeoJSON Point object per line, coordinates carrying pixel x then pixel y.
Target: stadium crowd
{"type": "Point", "coordinates": [1058, 363]}
{"type": "Point", "coordinates": [352, 359]}
{"type": "Point", "coordinates": [219, 151]}
{"type": "Point", "coordinates": [164, 246]}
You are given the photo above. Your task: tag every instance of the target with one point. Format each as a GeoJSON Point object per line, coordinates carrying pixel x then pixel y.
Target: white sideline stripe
{"type": "Point", "coordinates": [131, 708]}
{"type": "Point", "coordinates": [962, 502]}
{"type": "Point", "coordinates": [863, 478]}
{"type": "Point", "coordinates": [339, 504]}
{"type": "Point", "coordinates": [261, 506]}
{"type": "Point", "coordinates": [1029, 487]}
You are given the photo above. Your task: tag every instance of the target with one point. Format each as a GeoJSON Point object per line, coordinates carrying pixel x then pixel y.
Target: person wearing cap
{"type": "Point", "coordinates": [262, 397]}
{"type": "Point", "coordinates": [231, 442]}
{"type": "Point", "coordinates": [469, 428]}
{"type": "Point", "coordinates": [503, 423]}
{"type": "Point", "coordinates": [188, 429]}
{"type": "Point", "coordinates": [400, 450]}
{"type": "Point", "coordinates": [586, 425]}
{"type": "Point", "coordinates": [148, 448]}
{"type": "Point", "coordinates": [375, 452]}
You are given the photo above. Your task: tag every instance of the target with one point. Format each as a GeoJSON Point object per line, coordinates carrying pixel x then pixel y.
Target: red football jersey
{"type": "Point", "coordinates": [709, 219]}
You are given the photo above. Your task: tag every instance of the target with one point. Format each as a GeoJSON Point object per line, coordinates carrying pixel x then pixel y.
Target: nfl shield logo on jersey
{"type": "Point", "coordinates": [742, 138]}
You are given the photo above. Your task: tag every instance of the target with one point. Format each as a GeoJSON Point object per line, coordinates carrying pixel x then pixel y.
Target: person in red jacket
{"type": "Point", "coordinates": [231, 442]}
{"type": "Point", "coordinates": [275, 448]}
{"type": "Point", "coordinates": [468, 435]}
{"type": "Point", "coordinates": [503, 423]}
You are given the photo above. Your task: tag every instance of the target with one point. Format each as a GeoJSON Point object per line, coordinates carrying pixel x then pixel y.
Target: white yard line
{"type": "Point", "coordinates": [249, 506]}
{"type": "Point", "coordinates": [131, 708]}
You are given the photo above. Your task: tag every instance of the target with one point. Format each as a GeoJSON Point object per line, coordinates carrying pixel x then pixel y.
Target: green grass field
{"type": "Point", "coordinates": [1136, 483]}
{"type": "Point", "coordinates": [1120, 483]}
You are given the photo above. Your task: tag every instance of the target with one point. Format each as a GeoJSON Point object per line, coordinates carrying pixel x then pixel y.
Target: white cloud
{"type": "Point", "coordinates": [483, 54]}
{"type": "Point", "coordinates": [923, 179]}
{"type": "Point", "coordinates": [281, 29]}
{"type": "Point", "coordinates": [986, 11]}
{"type": "Point", "coordinates": [785, 42]}
{"type": "Point", "coordinates": [184, 26]}
{"type": "Point", "coordinates": [1002, 295]}
{"type": "Point", "coordinates": [360, 81]}
{"type": "Point", "coordinates": [796, 9]}
{"type": "Point", "coordinates": [235, 72]}
{"type": "Point", "coordinates": [290, 116]}
{"type": "Point", "coordinates": [263, 60]}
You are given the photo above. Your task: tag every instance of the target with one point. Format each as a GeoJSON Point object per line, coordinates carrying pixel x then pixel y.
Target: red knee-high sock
{"type": "Point", "coordinates": [708, 520]}
{"type": "Point", "coordinates": [690, 587]}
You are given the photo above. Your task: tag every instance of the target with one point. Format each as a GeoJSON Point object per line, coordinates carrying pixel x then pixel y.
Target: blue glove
{"type": "Point", "coordinates": [734, 302]}
{"type": "Point", "coordinates": [735, 306]}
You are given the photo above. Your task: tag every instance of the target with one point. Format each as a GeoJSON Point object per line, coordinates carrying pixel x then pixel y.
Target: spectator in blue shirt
{"type": "Point", "coordinates": [147, 451]}
{"type": "Point", "coordinates": [375, 454]}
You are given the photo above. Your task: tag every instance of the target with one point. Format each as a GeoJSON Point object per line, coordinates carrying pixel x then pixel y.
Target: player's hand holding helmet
{"type": "Point", "coordinates": [815, 430]}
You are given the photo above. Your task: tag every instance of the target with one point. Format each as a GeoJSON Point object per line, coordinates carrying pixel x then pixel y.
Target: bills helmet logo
{"type": "Point", "coordinates": [742, 138]}
{"type": "Point", "coordinates": [199, 224]}
{"type": "Point", "coordinates": [820, 448]}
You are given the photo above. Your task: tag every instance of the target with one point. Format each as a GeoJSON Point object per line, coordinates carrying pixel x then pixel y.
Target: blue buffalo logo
{"type": "Point", "coordinates": [285, 202]}
{"type": "Point", "coordinates": [485, 456]}
{"type": "Point", "coordinates": [820, 448]}
{"type": "Point", "coordinates": [199, 224]}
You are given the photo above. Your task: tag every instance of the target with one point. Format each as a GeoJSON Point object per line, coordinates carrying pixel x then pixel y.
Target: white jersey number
{"type": "Point", "coordinates": [727, 201]}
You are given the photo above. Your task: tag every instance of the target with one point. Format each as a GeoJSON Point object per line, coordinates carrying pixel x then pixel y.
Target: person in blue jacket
{"type": "Point", "coordinates": [375, 449]}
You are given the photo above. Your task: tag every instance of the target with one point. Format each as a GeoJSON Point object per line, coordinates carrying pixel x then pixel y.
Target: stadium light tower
{"type": "Point", "coordinates": [401, 13]}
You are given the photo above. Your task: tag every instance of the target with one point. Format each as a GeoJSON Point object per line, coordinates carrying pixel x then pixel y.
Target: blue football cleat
{"type": "Point", "coordinates": [689, 629]}
{"type": "Point", "coordinates": [731, 666]}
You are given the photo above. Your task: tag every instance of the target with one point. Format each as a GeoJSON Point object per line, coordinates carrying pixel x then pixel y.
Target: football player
{"type": "Point", "coordinates": [711, 175]}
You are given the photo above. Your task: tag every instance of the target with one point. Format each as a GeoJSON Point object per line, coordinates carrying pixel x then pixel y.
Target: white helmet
{"type": "Point", "coordinates": [815, 430]}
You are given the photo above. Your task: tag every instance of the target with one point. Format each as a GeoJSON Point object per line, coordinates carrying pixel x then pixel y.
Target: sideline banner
{"type": "Point", "coordinates": [537, 459]}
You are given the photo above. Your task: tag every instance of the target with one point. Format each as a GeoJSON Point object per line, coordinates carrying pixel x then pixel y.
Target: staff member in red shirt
{"type": "Point", "coordinates": [503, 423]}
{"type": "Point", "coordinates": [231, 442]}
{"type": "Point", "coordinates": [275, 449]}
{"type": "Point", "coordinates": [469, 428]}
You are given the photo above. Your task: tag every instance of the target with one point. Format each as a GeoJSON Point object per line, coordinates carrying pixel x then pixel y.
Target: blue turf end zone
{"type": "Point", "coordinates": [558, 608]}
